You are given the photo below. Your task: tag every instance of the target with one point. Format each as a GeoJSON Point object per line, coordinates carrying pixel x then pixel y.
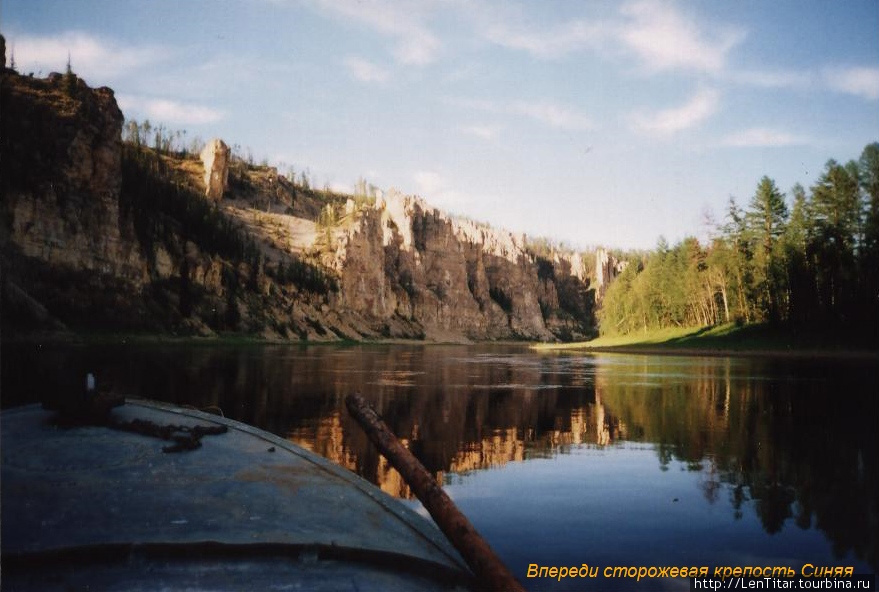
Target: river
{"type": "Point", "coordinates": [558, 458]}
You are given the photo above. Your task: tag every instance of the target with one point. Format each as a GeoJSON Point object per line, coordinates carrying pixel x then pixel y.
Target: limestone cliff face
{"type": "Point", "coordinates": [102, 235]}
{"type": "Point", "coordinates": [61, 175]}
{"type": "Point", "coordinates": [215, 157]}
{"type": "Point", "coordinates": [405, 264]}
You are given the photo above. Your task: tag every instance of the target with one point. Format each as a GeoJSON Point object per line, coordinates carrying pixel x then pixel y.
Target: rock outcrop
{"type": "Point", "coordinates": [607, 268]}
{"type": "Point", "coordinates": [95, 234]}
{"type": "Point", "coordinates": [405, 264]}
{"type": "Point", "coordinates": [61, 150]}
{"type": "Point", "coordinates": [215, 157]}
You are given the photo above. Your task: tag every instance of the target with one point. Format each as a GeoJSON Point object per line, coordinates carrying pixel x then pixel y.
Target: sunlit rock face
{"type": "Point", "coordinates": [411, 268]}
{"type": "Point", "coordinates": [215, 157]}
{"type": "Point", "coordinates": [62, 175]}
{"type": "Point", "coordinates": [399, 268]}
{"type": "Point", "coordinates": [607, 268]}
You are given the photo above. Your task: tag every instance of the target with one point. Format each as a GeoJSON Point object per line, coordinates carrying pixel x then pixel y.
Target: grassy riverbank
{"type": "Point", "coordinates": [730, 339]}
{"type": "Point", "coordinates": [727, 339]}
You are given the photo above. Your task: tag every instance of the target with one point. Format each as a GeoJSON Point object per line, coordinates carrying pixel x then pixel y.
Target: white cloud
{"type": "Point", "coordinates": [467, 72]}
{"type": "Point", "coordinates": [366, 71]}
{"type": "Point", "coordinates": [772, 78]}
{"type": "Point", "coordinates": [573, 36]}
{"type": "Point", "coordinates": [656, 32]}
{"type": "Point", "coordinates": [417, 48]}
{"type": "Point", "coordinates": [90, 56]}
{"type": "Point", "coordinates": [761, 137]}
{"type": "Point", "coordinates": [547, 112]}
{"type": "Point", "coordinates": [859, 81]}
{"type": "Point", "coordinates": [552, 114]}
{"type": "Point", "coordinates": [664, 38]}
{"type": "Point", "coordinates": [435, 189]}
{"type": "Point", "coordinates": [402, 20]}
{"type": "Point", "coordinates": [168, 111]}
{"type": "Point", "coordinates": [429, 182]}
{"type": "Point", "coordinates": [482, 131]}
{"type": "Point", "coordinates": [668, 121]}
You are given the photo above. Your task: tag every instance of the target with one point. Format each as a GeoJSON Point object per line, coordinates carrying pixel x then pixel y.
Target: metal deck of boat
{"type": "Point", "coordinates": [91, 507]}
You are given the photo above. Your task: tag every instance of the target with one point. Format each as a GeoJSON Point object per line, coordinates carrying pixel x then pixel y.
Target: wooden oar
{"type": "Point", "coordinates": [487, 566]}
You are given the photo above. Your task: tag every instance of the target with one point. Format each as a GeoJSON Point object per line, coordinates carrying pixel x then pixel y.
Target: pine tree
{"type": "Point", "coordinates": [869, 178]}
{"type": "Point", "coordinates": [800, 274]}
{"type": "Point", "coordinates": [834, 229]}
{"type": "Point", "coordinates": [869, 253]}
{"type": "Point", "coordinates": [69, 79]}
{"type": "Point", "coordinates": [766, 220]}
{"type": "Point", "coordinates": [741, 253]}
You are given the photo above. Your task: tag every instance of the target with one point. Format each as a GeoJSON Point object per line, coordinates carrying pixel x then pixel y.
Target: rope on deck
{"type": "Point", "coordinates": [95, 409]}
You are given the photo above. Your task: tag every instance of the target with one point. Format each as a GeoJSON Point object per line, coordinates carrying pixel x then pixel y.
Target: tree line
{"type": "Point", "coordinates": [163, 140]}
{"type": "Point", "coordinates": [809, 259]}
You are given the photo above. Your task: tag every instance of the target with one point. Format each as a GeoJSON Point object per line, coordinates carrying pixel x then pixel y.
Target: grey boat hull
{"type": "Point", "coordinates": [94, 507]}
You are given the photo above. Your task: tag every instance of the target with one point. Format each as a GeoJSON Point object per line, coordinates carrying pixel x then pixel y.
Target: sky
{"type": "Point", "coordinates": [594, 123]}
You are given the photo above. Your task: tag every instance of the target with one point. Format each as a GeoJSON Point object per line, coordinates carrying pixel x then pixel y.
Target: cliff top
{"type": "Point", "coordinates": [101, 232]}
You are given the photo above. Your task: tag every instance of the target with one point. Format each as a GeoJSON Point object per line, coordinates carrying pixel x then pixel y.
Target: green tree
{"type": "Point", "coordinates": [145, 129]}
{"type": "Point", "coordinates": [327, 217]}
{"type": "Point", "coordinates": [720, 268]}
{"type": "Point", "coordinates": [618, 313]}
{"type": "Point", "coordinates": [672, 286]}
{"type": "Point", "coordinates": [869, 177]}
{"type": "Point", "coordinates": [361, 188]}
{"type": "Point", "coordinates": [131, 132]}
{"type": "Point", "coordinates": [69, 80]}
{"type": "Point", "coordinates": [819, 265]}
{"type": "Point", "coordinates": [736, 234]}
{"type": "Point", "coordinates": [766, 219]}
{"type": "Point", "coordinates": [801, 296]}
{"type": "Point", "coordinates": [834, 230]}
{"type": "Point", "coordinates": [869, 254]}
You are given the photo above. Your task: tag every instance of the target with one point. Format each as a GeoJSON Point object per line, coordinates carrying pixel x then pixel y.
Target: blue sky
{"type": "Point", "coordinates": [595, 123]}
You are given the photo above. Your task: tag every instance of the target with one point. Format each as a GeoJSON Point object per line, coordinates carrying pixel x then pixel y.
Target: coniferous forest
{"type": "Point", "coordinates": [808, 260]}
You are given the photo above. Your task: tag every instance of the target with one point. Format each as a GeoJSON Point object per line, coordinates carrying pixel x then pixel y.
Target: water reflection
{"type": "Point", "coordinates": [794, 442]}
{"type": "Point", "coordinates": [798, 439]}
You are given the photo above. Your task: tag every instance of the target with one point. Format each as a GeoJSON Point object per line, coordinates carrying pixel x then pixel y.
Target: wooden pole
{"type": "Point", "coordinates": [487, 566]}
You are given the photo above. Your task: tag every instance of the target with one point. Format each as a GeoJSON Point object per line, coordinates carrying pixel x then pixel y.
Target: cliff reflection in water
{"type": "Point", "coordinates": [459, 412]}
{"type": "Point", "coordinates": [793, 440]}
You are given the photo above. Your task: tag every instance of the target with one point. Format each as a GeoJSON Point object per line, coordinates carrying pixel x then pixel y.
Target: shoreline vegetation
{"type": "Point", "coordinates": [727, 340]}
{"type": "Point", "coordinates": [721, 340]}
{"type": "Point", "coordinates": [790, 272]}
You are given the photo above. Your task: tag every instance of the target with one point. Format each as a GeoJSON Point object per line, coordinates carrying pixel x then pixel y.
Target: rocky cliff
{"type": "Point", "coordinates": [410, 265]}
{"type": "Point", "coordinates": [62, 174]}
{"type": "Point", "coordinates": [101, 234]}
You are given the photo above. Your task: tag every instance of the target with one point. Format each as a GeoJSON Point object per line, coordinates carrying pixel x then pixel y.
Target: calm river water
{"type": "Point", "coordinates": [558, 458]}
